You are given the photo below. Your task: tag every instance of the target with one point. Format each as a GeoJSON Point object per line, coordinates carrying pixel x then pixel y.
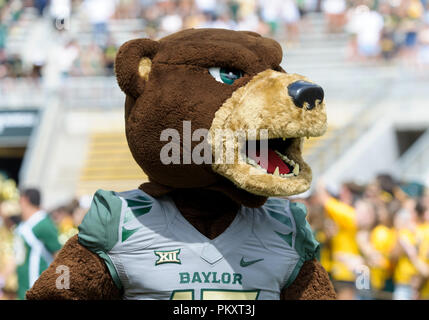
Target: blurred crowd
{"type": "Point", "coordinates": [389, 29]}
{"type": "Point", "coordinates": [378, 29]}
{"type": "Point", "coordinates": [374, 238]}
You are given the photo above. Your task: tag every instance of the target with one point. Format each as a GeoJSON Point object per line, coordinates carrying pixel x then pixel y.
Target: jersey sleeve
{"type": "Point", "coordinates": [47, 233]}
{"type": "Point", "coordinates": [98, 231]}
{"type": "Point", "coordinates": [306, 245]}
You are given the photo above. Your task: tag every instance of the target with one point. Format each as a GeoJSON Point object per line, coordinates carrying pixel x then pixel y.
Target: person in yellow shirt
{"type": "Point", "coordinates": [423, 256]}
{"type": "Point", "coordinates": [380, 248]}
{"type": "Point", "coordinates": [325, 238]}
{"type": "Point", "coordinates": [345, 251]}
{"type": "Point", "coordinates": [406, 271]}
{"type": "Point", "coordinates": [324, 229]}
{"type": "Point", "coordinates": [419, 253]}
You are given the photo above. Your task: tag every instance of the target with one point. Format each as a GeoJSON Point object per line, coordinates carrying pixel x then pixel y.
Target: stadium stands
{"type": "Point", "coordinates": [109, 165]}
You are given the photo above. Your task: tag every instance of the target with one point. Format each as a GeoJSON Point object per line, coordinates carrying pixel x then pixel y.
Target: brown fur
{"type": "Point", "coordinates": [89, 277]}
{"type": "Point", "coordinates": [208, 211]}
{"type": "Point", "coordinates": [312, 283]}
{"type": "Point", "coordinates": [180, 88]}
{"type": "Point", "coordinates": [166, 83]}
{"type": "Point", "coordinates": [170, 81]}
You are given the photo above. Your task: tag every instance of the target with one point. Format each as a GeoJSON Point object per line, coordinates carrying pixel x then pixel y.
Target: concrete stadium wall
{"type": "Point", "coordinates": [60, 150]}
{"type": "Point", "coordinates": [375, 152]}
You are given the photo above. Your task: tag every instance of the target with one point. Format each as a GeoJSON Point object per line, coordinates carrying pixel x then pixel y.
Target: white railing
{"type": "Point", "coordinates": [73, 92]}
{"type": "Point", "coordinates": [24, 92]}
{"type": "Point", "coordinates": [91, 92]}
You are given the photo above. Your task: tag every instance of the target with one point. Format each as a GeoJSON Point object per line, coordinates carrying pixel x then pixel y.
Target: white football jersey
{"type": "Point", "coordinates": [153, 252]}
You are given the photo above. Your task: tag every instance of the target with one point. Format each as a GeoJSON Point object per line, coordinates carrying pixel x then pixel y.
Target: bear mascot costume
{"type": "Point", "coordinates": [204, 227]}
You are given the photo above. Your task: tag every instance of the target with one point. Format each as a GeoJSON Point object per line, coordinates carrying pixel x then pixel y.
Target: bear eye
{"type": "Point", "coordinates": [226, 75]}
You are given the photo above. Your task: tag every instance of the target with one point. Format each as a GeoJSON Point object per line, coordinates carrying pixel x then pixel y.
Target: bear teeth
{"type": "Point", "coordinates": [285, 158]}
{"type": "Point", "coordinates": [294, 173]}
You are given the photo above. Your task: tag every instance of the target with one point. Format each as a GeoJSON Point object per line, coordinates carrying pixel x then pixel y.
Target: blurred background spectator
{"type": "Point", "coordinates": [36, 240]}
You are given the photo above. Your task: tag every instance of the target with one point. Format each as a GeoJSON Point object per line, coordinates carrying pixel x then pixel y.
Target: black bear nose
{"type": "Point", "coordinates": [305, 92]}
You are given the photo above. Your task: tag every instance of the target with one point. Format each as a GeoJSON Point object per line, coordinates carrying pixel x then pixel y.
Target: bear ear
{"type": "Point", "coordinates": [133, 64]}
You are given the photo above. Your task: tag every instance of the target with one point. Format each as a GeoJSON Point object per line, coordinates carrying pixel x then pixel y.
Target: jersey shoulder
{"type": "Point", "coordinates": [288, 221]}
{"type": "Point", "coordinates": [113, 217]}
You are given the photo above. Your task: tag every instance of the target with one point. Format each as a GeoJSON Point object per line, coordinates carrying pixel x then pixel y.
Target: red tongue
{"type": "Point", "coordinates": [274, 161]}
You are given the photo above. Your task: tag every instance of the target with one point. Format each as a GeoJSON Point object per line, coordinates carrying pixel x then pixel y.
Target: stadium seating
{"type": "Point", "coordinates": [109, 165]}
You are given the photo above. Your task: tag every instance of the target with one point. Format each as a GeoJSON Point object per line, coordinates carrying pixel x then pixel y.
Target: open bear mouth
{"type": "Point", "coordinates": [278, 157]}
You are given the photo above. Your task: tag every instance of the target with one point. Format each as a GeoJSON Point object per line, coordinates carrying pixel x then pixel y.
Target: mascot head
{"type": "Point", "coordinates": [186, 94]}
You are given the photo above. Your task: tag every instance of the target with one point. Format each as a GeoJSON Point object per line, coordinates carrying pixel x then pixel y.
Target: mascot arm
{"type": "Point", "coordinates": [89, 277]}
{"type": "Point", "coordinates": [312, 283]}
{"type": "Point", "coordinates": [85, 257]}
{"type": "Point", "coordinates": [309, 280]}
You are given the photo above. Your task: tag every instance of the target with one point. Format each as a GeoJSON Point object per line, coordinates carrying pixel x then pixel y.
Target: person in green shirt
{"type": "Point", "coordinates": [36, 241]}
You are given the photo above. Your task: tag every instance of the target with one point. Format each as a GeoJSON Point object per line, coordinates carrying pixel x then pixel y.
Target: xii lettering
{"type": "Point", "coordinates": [167, 257]}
